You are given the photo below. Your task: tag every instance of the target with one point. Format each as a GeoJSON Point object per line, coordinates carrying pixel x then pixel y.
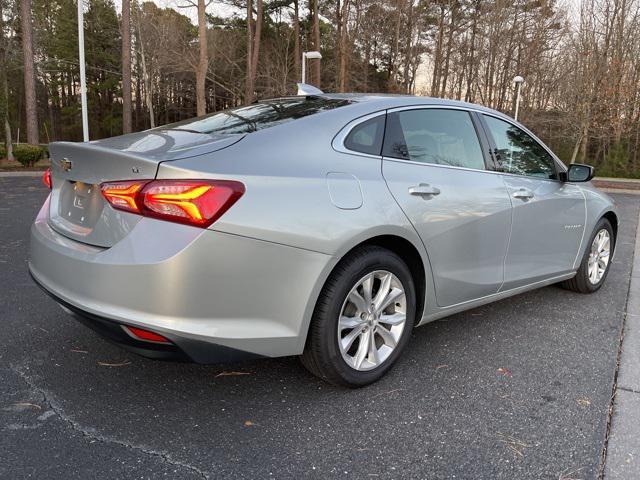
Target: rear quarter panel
{"type": "Point", "coordinates": [287, 199]}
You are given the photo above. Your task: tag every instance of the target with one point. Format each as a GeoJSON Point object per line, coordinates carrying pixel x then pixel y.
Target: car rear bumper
{"type": "Point", "coordinates": [216, 296]}
{"type": "Point", "coordinates": [180, 349]}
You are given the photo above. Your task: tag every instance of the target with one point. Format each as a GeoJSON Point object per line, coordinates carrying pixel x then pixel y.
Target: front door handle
{"type": "Point", "coordinates": [424, 190]}
{"type": "Point", "coordinates": [523, 194]}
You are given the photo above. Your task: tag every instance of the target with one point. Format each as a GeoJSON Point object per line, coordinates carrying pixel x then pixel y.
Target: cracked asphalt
{"type": "Point", "coordinates": [517, 389]}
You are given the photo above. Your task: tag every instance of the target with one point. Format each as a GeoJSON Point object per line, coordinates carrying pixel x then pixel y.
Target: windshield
{"type": "Point", "coordinates": [257, 116]}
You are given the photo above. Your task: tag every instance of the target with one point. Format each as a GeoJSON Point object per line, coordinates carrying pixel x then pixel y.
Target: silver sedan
{"type": "Point", "coordinates": [325, 226]}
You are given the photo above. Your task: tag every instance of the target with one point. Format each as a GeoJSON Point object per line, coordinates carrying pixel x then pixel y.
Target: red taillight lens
{"type": "Point", "coordinates": [123, 195]}
{"type": "Point", "coordinates": [194, 202]}
{"type": "Point", "coordinates": [46, 178]}
{"type": "Point", "coordinates": [146, 335]}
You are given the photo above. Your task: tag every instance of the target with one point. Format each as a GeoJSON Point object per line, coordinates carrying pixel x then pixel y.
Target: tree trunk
{"type": "Point", "coordinates": [29, 73]}
{"type": "Point", "coordinates": [256, 40]}
{"type": "Point", "coordinates": [296, 40]}
{"type": "Point", "coordinates": [248, 86]}
{"type": "Point", "coordinates": [7, 127]}
{"type": "Point", "coordinates": [344, 43]}
{"type": "Point", "coordinates": [126, 66]}
{"type": "Point", "coordinates": [203, 63]}
{"type": "Point", "coordinates": [148, 94]}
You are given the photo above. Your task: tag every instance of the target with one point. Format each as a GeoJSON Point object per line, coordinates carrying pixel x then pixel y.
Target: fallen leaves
{"type": "Point", "coordinates": [512, 443]}
{"type": "Point", "coordinates": [249, 423]}
{"type": "Point", "coordinates": [75, 350]}
{"type": "Point", "coordinates": [583, 402]}
{"type": "Point", "coordinates": [117, 364]}
{"type": "Point", "coordinates": [505, 372]}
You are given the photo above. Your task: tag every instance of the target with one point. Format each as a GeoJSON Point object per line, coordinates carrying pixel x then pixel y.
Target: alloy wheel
{"type": "Point", "coordinates": [599, 256]}
{"type": "Point", "coordinates": [372, 319]}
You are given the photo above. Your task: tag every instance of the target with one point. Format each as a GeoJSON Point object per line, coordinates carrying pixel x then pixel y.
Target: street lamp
{"type": "Point", "coordinates": [305, 56]}
{"type": "Point", "coordinates": [518, 80]}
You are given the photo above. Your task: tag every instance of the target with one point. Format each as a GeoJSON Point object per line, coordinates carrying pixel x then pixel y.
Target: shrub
{"type": "Point", "coordinates": [3, 151]}
{"type": "Point", "coordinates": [26, 154]}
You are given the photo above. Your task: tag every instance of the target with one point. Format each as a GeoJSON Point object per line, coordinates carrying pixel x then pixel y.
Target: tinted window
{"type": "Point", "coordinates": [258, 115]}
{"type": "Point", "coordinates": [367, 136]}
{"type": "Point", "coordinates": [518, 152]}
{"type": "Point", "coordinates": [438, 136]}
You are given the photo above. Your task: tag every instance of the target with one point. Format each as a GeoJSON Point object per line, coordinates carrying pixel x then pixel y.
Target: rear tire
{"type": "Point", "coordinates": [586, 280]}
{"type": "Point", "coordinates": [346, 344]}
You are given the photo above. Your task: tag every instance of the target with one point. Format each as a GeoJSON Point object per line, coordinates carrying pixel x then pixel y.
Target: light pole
{"type": "Point", "coordinates": [83, 79]}
{"type": "Point", "coordinates": [305, 56]}
{"type": "Point", "coordinates": [518, 80]}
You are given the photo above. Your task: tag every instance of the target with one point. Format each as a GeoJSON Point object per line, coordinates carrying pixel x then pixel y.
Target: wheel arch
{"type": "Point", "coordinates": [413, 255]}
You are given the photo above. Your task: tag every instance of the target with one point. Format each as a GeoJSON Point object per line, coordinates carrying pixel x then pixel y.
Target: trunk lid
{"type": "Point", "coordinates": [79, 211]}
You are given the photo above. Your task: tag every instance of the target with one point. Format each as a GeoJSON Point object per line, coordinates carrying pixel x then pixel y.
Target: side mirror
{"type": "Point", "coordinates": [579, 172]}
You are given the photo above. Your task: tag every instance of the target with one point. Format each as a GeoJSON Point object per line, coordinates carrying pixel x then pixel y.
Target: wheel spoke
{"type": "Point", "coordinates": [373, 350]}
{"type": "Point", "coordinates": [358, 301]}
{"type": "Point", "coordinates": [350, 322]}
{"type": "Point", "coordinates": [383, 291]}
{"type": "Point", "coordinates": [394, 319]}
{"type": "Point", "coordinates": [348, 340]}
{"type": "Point", "coordinates": [387, 337]}
{"type": "Point", "coordinates": [363, 349]}
{"type": "Point", "coordinates": [367, 289]}
{"type": "Point", "coordinates": [593, 275]}
{"type": "Point", "coordinates": [391, 297]}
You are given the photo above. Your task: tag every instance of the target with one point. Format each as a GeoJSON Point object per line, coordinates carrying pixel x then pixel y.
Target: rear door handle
{"type": "Point", "coordinates": [424, 190]}
{"type": "Point", "coordinates": [523, 194]}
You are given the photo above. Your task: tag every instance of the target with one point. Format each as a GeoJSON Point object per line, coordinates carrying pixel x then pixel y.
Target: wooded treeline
{"type": "Point", "coordinates": [151, 65]}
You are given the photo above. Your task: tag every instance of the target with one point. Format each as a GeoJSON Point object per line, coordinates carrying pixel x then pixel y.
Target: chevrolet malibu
{"type": "Point", "coordinates": [325, 226]}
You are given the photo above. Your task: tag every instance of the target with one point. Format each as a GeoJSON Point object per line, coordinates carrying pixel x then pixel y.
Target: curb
{"type": "Point", "coordinates": [31, 173]}
{"type": "Point", "coordinates": [623, 447]}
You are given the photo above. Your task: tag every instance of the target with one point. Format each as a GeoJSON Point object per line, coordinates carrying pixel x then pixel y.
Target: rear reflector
{"type": "Point", "coordinates": [194, 202]}
{"type": "Point", "coordinates": [145, 335]}
{"type": "Point", "coordinates": [46, 178]}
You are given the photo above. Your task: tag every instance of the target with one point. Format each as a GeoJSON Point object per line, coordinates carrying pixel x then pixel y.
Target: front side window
{"type": "Point", "coordinates": [518, 153]}
{"type": "Point", "coordinates": [434, 136]}
{"type": "Point", "coordinates": [258, 116]}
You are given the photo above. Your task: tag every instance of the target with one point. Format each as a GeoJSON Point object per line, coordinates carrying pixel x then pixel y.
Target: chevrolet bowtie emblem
{"type": "Point", "coordinates": [66, 164]}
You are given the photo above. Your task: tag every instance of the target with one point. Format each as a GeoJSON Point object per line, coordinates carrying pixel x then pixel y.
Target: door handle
{"type": "Point", "coordinates": [424, 190]}
{"type": "Point", "coordinates": [523, 194]}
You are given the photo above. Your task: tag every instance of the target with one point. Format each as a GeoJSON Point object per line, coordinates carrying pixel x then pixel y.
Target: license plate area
{"type": "Point", "coordinates": [80, 203]}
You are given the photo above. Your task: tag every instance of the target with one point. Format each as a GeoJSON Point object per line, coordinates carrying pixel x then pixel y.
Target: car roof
{"type": "Point", "coordinates": [390, 100]}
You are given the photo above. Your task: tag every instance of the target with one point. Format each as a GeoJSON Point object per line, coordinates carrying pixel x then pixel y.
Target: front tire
{"type": "Point", "coordinates": [362, 320]}
{"type": "Point", "coordinates": [596, 260]}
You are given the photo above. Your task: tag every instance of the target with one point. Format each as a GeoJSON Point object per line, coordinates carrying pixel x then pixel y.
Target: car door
{"type": "Point", "coordinates": [434, 166]}
{"type": "Point", "coordinates": [548, 215]}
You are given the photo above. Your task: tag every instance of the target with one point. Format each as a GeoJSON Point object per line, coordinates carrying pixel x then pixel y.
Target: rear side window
{"type": "Point", "coordinates": [434, 136]}
{"type": "Point", "coordinates": [258, 116]}
{"type": "Point", "coordinates": [367, 136]}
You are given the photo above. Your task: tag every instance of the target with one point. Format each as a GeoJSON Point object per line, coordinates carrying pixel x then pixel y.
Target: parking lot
{"type": "Point", "coordinates": [517, 389]}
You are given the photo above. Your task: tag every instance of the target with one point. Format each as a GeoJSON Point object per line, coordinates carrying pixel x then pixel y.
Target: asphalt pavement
{"type": "Point", "coordinates": [517, 389]}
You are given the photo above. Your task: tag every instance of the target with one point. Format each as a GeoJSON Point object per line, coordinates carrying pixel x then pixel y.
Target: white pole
{"type": "Point", "coordinates": [304, 61]}
{"type": "Point", "coordinates": [83, 79]}
{"type": "Point", "coordinates": [517, 101]}
{"type": "Point", "coordinates": [518, 80]}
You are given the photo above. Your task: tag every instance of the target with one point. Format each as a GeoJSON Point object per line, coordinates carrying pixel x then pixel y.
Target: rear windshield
{"type": "Point", "coordinates": [257, 116]}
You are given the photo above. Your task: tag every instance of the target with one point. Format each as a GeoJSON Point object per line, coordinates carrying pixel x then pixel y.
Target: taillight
{"type": "Point", "coordinates": [46, 178]}
{"type": "Point", "coordinates": [123, 195]}
{"type": "Point", "coordinates": [194, 202]}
